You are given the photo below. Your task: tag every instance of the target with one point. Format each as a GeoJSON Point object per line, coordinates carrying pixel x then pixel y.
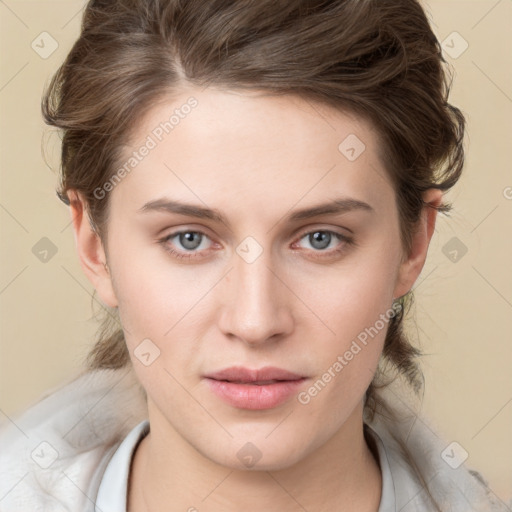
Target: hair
{"type": "Point", "coordinates": [378, 59]}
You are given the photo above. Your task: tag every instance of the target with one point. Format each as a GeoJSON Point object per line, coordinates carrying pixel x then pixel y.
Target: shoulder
{"type": "Point", "coordinates": [425, 469]}
{"type": "Point", "coordinates": [54, 454]}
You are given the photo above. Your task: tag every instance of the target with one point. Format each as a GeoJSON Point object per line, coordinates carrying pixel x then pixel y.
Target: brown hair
{"type": "Point", "coordinates": [376, 58]}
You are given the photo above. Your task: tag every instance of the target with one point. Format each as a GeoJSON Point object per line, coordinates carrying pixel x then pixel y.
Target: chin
{"type": "Point", "coordinates": [258, 456]}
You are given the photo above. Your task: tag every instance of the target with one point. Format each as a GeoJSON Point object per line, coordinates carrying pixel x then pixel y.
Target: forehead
{"type": "Point", "coordinates": [225, 147]}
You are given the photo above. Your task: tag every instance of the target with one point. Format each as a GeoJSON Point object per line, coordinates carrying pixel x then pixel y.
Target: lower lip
{"type": "Point", "coordinates": [252, 396]}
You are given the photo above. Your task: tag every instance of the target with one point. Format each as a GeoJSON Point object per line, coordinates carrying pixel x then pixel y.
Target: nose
{"type": "Point", "coordinates": [255, 302]}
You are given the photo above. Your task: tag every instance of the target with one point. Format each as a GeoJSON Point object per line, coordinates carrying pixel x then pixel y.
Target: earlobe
{"type": "Point", "coordinates": [411, 267]}
{"type": "Point", "coordinates": [90, 250]}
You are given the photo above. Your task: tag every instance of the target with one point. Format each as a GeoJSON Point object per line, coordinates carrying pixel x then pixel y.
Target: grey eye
{"type": "Point", "coordinates": [320, 239]}
{"type": "Point", "coordinates": [190, 239]}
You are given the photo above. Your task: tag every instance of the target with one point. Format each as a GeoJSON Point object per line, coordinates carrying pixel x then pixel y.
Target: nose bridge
{"type": "Point", "coordinates": [255, 283]}
{"type": "Point", "coordinates": [257, 307]}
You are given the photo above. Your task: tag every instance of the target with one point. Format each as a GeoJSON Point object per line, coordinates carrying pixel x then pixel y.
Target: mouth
{"type": "Point", "coordinates": [266, 375]}
{"type": "Point", "coordinates": [256, 383]}
{"type": "Point", "coordinates": [255, 389]}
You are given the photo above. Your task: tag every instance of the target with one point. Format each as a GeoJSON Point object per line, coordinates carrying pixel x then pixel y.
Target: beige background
{"type": "Point", "coordinates": [464, 308]}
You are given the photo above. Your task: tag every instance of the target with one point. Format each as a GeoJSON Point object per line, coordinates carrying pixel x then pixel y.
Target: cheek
{"type": "Point", "coordinates": [165, 302]}
{"type": "Point", "coordinates": [157, 304]}
{"type": "Point", "coordinates": [350, 297]}
{"type": "Point", "coordinates": [152, 295]}
{"type": "Point", "coordinates": [356, 306]}
{"type": "Point", "coordinates": [346, 364]}
{"type": "Point", "coordinates": [169, 304]}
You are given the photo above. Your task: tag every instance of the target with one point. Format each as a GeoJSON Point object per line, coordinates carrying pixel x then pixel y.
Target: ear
{"type": "Point", "coordinates": [411, 267]}
{"type": "Point", "coordinates": [90, 250]}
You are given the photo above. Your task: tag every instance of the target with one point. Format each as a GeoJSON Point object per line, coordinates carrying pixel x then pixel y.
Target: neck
{"type": "Point", "coordinates": [342, 473]}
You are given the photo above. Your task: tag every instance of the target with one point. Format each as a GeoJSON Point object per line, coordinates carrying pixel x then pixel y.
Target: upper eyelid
{"type": "Point", "coordinates": [306, 231]}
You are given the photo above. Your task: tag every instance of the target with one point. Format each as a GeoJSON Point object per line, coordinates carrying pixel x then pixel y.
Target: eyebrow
{"type": "Point", "coordinates": [336, 206]}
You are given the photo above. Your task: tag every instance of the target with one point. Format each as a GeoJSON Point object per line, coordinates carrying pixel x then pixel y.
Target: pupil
{"type": "Point", "coordinates": [320, 239]}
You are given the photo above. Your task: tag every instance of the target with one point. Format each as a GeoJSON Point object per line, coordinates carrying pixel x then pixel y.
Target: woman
{"type": "Point", "coordinates": [253, 187]}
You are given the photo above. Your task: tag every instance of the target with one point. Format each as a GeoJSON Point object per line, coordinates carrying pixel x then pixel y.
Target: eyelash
{"type": "Point", "coordinates": [344, 239]}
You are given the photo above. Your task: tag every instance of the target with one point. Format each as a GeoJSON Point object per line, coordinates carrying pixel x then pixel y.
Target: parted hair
{"type": "Point", "coordinates": [378, 59]}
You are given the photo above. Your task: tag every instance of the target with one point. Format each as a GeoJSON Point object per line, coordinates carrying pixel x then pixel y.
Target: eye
{"type": "Point", "coordinates": [323, 240]}
{"type": "Point", "coordinates": [186, 244]}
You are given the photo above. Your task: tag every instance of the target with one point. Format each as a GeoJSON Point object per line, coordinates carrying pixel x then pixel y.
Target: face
{"type": "Point", "coordinates": [256, 233]}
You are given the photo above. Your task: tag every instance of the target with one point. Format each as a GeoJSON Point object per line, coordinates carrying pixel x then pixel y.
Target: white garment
{"type": "Point", "coordinates": [53, 458]}
{"type": "Point", "coordinates": [113, 489]}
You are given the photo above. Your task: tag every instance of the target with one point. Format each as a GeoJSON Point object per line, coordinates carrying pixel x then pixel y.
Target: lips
{"type": "Point", "coordinates": [267, 375]}
{"type": "Point", "coordinates": [256, 389]}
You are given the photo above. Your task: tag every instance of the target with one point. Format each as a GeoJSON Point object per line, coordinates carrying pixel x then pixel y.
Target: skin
{"type": "Point", "coordinates": [256, 159]}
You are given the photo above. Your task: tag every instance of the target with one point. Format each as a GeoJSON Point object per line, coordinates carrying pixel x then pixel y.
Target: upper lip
{"type": "Point", "coordinates": [246, 375]}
